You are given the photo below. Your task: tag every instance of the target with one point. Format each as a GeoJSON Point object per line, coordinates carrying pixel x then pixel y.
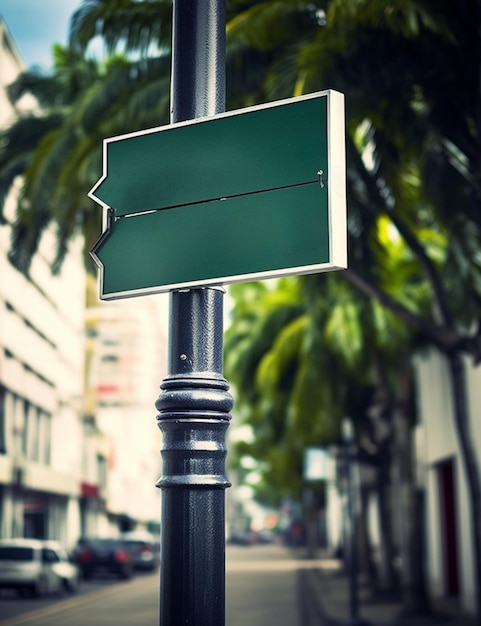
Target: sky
{"type": "Point", "coordinates": [36, 25]}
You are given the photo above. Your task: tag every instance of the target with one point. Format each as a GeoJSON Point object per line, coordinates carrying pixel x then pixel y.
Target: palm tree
{"type": "Point", "coordinates": [396, 62]}
{"type": "Point", "coordinates": [265, 358]}
{"type": "Point", "coordinates": [58, 148]}
{"type": "Point", "coordinates": [300, 363]}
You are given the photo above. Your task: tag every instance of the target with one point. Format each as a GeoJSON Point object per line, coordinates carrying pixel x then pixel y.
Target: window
{"type": "Point", "coordinates": [25, 426]}
{"type": "Point", "coordinates": [3, 425]}
{"type": "Point", "coordinates": [35, 451]}
{"type": "Point", "coordinates": [32, 429]}
{"type": "Point", "coordinates": [110, 341]}
{"type": "Point", "coordinates": [16, 553]}
{"type": "Point", "coordinates": [34, 435]}
{"type": "Point", "coordinates": [49, 556]}
{"type": "Point", "coordinates": [45, 437]}
{"type": "Point", "coordinates": [102, 471]}
{"type": "Point", "coordinates": [36, 432]}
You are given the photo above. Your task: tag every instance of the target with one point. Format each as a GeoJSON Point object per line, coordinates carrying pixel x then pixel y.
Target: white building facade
{"type": "Point", "coordinates": [42, 460]}
{"type": "Point", "coordinates": [126, 368]}
{"type": "Point", "coordinates": [451, 575]}
{"type": "Point", "coordinates": [79, 445]}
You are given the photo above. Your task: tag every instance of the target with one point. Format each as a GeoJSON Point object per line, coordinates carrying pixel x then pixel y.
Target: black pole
{"type": "Point", "coordinates": [194, 403]}
{"type": "Point", "coordinates": [348, 437]}
{"type": "Point", "coordinates": [198, 59]}
{"type": "Point", "coordinates": [353, 599]}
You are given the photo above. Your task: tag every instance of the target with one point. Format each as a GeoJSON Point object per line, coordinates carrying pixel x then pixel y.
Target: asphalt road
{"type": "Point", "coordinates": [107, 603]}
{"type": "Point", "coordinates": [261, 586]}
{"type": "Point", "coordinates": [261, 590]}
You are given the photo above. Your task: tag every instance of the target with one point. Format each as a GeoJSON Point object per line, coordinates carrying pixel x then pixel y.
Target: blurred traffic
{"type": "Point", "coordinates": [119, 557]}
{"type": "Point", "coordinates": [36, 568]}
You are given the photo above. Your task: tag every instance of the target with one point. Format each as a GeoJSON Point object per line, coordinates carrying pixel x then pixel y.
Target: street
{"type": "Point", "coordinates": [265, 585]}
{"type": "Point", "coordinates": [261, 589]}
{"type": "Point", "coordinates": [106, 603]}
{"type": "Point", "coordinates": [261, 586]}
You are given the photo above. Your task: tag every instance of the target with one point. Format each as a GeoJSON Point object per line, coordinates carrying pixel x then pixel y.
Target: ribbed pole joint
{"type": "Point", "coordinates": [194, 417]}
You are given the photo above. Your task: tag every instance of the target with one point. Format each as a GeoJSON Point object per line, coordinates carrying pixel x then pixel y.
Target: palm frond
{"type": "Point", "coordinates": [128, 25]}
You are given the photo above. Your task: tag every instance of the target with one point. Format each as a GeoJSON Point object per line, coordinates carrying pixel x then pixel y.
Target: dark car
{"type": "Point", "coordinates": [98, 556]}
{"type": "Point", "coordinates": [145, 550]}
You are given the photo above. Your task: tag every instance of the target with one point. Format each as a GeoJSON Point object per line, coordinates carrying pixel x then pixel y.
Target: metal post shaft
{"type": "Point", "coordinates": [194, 403]}
{"type": "Point", "coordinates": [194, 415]}
{"type": "Point", "coordinates": [198, 59]}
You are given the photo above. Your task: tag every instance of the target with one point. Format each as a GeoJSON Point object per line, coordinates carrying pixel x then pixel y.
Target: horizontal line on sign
{"type": "Point", "coordinates": [222, 199]}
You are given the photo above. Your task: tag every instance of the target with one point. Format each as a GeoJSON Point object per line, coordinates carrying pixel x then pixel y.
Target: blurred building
{"type": "Point", "coordinates": [41, 373]}
{"type": "Point", "coordinates": [449, 538]}
{"type": "Point", "coordinates": [79, 446]}
{"type": "Point", "coordinates": [126, 364]}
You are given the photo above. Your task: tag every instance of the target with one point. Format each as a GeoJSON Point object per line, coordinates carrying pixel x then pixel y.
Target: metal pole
{"type": "Point", "coordinates": [198, 59]}
{"type": "Point", "coordinates": [194, 403]}
{"type": "Point", "coordinates": [347, 434]}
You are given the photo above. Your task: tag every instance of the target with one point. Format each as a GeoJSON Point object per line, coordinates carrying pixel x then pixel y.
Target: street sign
{"type": "Point", "coordinates": [318, 464]}
{"type": "Point", "coordinates": [246, 195]}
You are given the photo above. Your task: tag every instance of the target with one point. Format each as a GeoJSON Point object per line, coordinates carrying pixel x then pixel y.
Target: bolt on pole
{"type": "Point", "coordinates": [194, 403]}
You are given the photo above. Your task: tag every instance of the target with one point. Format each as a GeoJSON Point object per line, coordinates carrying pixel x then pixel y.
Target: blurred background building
{"type": "Point", "coordinates": [442, 478]}
{"type": "Point", "coordinates": [79, 447]}
{"type": "Point", "coordinates": [41, 374]}
{"type": "Point", "coordinates": [125, 365]}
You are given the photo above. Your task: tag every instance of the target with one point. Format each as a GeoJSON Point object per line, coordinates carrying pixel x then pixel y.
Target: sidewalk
{"type": "Point", "coordinates": [324, 599]}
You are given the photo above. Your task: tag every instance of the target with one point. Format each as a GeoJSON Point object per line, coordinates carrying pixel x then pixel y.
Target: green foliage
{"type": "Point", "coordinates": [412, 89]}
{"type": "Point", "coordinates": [299, 362]}
{"type": "Point", "coordinates": [140, 26]}
{"type": "Point", "coordinates": [58, 149]}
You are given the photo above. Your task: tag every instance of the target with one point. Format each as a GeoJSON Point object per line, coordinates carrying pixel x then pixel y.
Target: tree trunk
{"type": "Point", "coordinates": [366, 563]}
{"type": "Point", "coordinates": [310, 517]}
{"type": "Point", "coordinates": [379, 415]}
{"type": "Point", "coordinates": [413, 587]}
{"type": "Point", "coordinates": [461, 416]}
{"type": "Point", "coordinates": [386, 578]}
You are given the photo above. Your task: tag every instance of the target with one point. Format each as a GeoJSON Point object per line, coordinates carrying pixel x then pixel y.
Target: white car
{"type": "Point", "coordinates": [36, 566]}
{"type": "Point", "coordinates": [64, 568]}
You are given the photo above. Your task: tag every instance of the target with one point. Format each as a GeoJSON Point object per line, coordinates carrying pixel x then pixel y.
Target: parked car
{"type": "Point", "coordinates": [64, 568]}
{"type": "Point", "coordinates": [35, 566]}
{"type": "Point", "coordinates": [145, 550]}
{"type": "Point", "coordinates": [99, 556]}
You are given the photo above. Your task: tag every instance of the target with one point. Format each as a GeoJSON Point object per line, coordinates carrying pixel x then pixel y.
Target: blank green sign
{"type": "Point", "coordinates": [240, 196]}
